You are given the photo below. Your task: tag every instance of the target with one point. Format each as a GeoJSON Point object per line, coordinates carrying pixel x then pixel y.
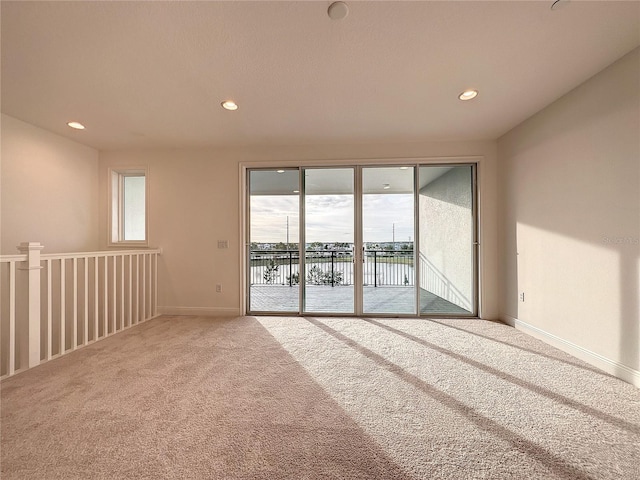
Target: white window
{"type": "Point", "coordinates": [128, 207]}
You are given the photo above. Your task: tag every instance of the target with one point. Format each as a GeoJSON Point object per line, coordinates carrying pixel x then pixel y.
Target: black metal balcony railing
{"type": "Point", "coordinates": [331, 267]}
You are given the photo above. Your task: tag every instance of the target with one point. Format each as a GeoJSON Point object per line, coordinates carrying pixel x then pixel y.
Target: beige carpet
{"type": "Point", "coordinates": [305, 398]}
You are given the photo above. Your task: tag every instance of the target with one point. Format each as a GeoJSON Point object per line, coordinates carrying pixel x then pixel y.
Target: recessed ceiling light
{"type": "Point", "coordinates": [296, 191]}
{"type": "Point", "coordinates": [280, 171]}
{"type": "Point", "coordinates": [468, 95]}
{"type": "Point", "coordinates": [404, 168]}
{"type": "Point", "coordinates": [386, 186]}
{"type": "Point", "coordinates": [76, 125]}
{"type": "Point", "coordinates": [229, 105]}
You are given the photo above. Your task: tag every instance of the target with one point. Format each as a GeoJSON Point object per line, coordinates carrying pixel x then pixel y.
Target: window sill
{"type": "Point", "coordinates": [131, 243]}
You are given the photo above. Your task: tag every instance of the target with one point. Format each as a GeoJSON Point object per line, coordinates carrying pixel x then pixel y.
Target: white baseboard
{"type": "Point", "coordinates": [200, 311]}
{"type": "Point", "coordinates": [614, 368]}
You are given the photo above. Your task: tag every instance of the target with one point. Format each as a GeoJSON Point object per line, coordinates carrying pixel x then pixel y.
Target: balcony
{"type": "Point", "coordinates": [388, 283]}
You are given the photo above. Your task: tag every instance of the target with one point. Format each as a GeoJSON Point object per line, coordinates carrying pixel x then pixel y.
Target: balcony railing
{"type": "Point", "coordinates": [331, 267]}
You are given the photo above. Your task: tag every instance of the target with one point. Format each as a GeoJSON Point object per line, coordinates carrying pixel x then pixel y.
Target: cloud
{"type": "Point", "coordinates": [330, 218]}
{"type": "Point", "coordinates": [383, 215]}
{"type": "Point", "coordinates": [268, 218]}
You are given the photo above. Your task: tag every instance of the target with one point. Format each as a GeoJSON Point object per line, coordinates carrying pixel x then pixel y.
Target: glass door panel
{"type": "Point", "coordinates": [273, 254]}
{"type": "Point", "coordinates": [329, 240]}
{"type": "Point", "coordinates": [388, 240]}
{"type": "Point", "coordinates": [446, 257]}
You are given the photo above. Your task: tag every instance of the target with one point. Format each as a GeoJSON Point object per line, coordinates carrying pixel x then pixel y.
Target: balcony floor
{"type": "Point", "coordinates": [327, 299]}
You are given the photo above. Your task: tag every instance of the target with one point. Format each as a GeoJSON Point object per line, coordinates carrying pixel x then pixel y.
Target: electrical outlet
{"type": "Point", "coordinates": [218, 288]}
{"type": "Point", "coordinates": [522, 296]}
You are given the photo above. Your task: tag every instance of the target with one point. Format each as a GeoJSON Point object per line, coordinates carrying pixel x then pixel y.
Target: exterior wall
{"type": "Point", "coordinates": [569, 211]}
{"type": "Point", "coordinates": [194, 201]}
{"type": "Point", "coordinates": [446, 233]}
{"type": "Point", "coordinates": [48, 190]}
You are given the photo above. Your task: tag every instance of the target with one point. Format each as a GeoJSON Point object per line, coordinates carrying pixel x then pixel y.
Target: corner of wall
{"type": "Point", "coordinates": [569, 220]}
{"type": "Point", "coordinates": [48, 189]}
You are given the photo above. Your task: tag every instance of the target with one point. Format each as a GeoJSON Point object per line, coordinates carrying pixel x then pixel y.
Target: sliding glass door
{"type": "Point", "coordinates": [273, 262]}
{"type": "Point", "coordinates": [329, 211]}
{"type": "Point", "coordinates": [388, 280]}
{"type": "Point", "coordinates": [447, 240]}
{"type": "Point", "coordinates": [375, 240]}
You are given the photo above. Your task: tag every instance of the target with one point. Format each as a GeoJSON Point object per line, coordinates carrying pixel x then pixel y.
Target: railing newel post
{"type": "Point", "coordinates": [32, 250]}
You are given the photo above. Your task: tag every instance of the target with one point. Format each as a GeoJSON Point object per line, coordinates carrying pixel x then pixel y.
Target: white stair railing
{"type": "Point", "coordinates": [53, 304]}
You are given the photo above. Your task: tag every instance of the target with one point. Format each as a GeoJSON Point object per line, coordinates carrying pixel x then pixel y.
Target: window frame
{"type": "Point", "coordinates": [116, 178]}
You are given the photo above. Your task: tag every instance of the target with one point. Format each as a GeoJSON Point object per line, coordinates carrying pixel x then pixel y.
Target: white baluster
{"type": "Point", "coordinates": [95, 299]}
{"type": "Point", "coordinates": [85, 336]}
{"type": "Point", "coordinates": [155, 284]}
{"type": "Point", "coordinates": [63, 307]}
{"type": "Point", "coordinates": [12, 318]}
{"type": "Point", "coordinates": [137, 288]}
{"type": "Point", "coordinates": [49, 311]}
{"type": "Point", "coordinates": [114, 309]}
{"type": "Point", "coordinates": [122, 320]}
{"type": "Point", "coordinates": [74, 328]}
{"type": "Point", "coordinates": [105, 318]}
{"type": "Point", "coordinates": [144, 284]}
{"type": "Point", "coordinates": [130, 291]}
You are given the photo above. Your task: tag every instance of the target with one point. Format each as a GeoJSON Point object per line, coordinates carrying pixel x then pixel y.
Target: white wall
{"type": "Point", "coordinates": [194, 200]}
{"type": "Point", "coordinates": [569, 182]}
{"type": "Point", "coordinates": [48, 190]}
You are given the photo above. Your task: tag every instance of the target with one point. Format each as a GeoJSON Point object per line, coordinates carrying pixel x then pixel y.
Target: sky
{"type": "Point", "coordinates": [330, 218]}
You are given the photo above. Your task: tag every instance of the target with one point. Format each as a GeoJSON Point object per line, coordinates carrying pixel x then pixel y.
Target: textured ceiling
{"type": "Point", "coordinates": [153, 74]}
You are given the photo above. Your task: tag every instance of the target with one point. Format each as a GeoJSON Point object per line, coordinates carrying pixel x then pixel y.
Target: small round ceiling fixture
{"type": "Point", "coordinates": [468, 95]}
{"type": "Point", "coordinates": [76, 125]}
{"type": "Point", "coordinates": [338, 10]}
{"type": "Point", "coordinates": [404, 168]}
{"type": "Point", "coordinates": [296, 191]}
{"type": "Point", "coordinates": [386, 186]}
{"type": "Point", "coordinates": [280, 171]}
{"type": "Point", "coordinates": [229, 105]}
{"type": "Point", "coordinates": [558, 4]}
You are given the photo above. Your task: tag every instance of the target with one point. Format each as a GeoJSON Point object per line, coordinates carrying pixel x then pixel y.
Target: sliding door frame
{"type": "Point", "coordinates": [473, 161]}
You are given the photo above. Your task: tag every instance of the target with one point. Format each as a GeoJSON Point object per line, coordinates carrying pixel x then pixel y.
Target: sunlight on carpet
{"type": "Point", "coordinates": [446, 400]}
{"type": "Point", "coordinates": [316, 397]}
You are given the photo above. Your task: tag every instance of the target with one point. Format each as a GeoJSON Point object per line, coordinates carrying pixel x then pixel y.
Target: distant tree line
{"type": "Point", "coordinates": [318, 246]}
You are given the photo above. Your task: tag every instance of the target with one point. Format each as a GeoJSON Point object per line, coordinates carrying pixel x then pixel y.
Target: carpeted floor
{"type": "Point", "coordinates": [305, 398]}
